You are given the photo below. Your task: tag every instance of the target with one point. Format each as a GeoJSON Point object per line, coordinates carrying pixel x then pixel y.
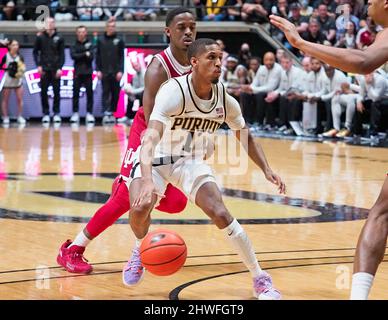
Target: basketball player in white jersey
{"type": "Point", "coordinates": [187, 112]}
{"type": "Point", "coordinates": [171, 62]}
{"type": "Point", "coordinates": [373, 238]}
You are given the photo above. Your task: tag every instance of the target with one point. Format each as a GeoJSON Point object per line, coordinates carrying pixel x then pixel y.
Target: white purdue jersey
{"type": "Point", "coordinates": [190, 122]}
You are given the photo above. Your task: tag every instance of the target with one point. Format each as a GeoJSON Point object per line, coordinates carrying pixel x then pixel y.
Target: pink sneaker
{"type": "Point", "coordinates": [72, 259]}
{"type": "Point", "coordinates": [133, 271]}
{"type": "Point", "coordinates": [263, 289]}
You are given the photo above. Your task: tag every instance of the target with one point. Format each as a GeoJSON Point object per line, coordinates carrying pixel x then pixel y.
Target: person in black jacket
{"type": "Point", "coordinates": [49, 56]}
{"type": "Point", "coordinates": [110, 66]}
{"type": "Point", "coordinates": [82, 54]}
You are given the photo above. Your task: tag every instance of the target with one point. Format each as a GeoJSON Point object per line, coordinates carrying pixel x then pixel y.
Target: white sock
{"type": "Point", "coordinates": [361, 284]}
{"type": "Point", "coordinates": [80, 240]}
{"type": "Point", "coordinates": [241, 243]}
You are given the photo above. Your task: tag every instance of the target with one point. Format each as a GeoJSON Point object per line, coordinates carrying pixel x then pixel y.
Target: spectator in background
{"type": "Point", "coordinates": [89, 10]}
{"type": "Point", "coordinates": [301, 22]}
{"type": "Point", "coordinates": [327, 24]}
{"type": "Point", "coordinates": [357, 7]}
{"type": "Point", "coordinates": [214, 10]}
{"type": "Point", "coordinates": [113, 8]}
{"type": "Point", "coordinates": [8, 10]}
{"type": "Point", "coordinates": [199, 5]}
{"type": "Point", "coordinates": [290, 107]}
{"type": "Point", "coordinates": [313, 33]}
{"type": "Point", "coordinates": [134, 91]}
{"type": "Point", "coordinates": [148, 12]}
{"type": "Point", "coordinates": [66, 10]}
{"type": "Point", "coordinates": [348, 40]}
{"type": "Point", "coordinates": [345, 16]}
{"type": "Point", "coordinates": [372, 103]}
{"type": "Point", "coordinates": [279, 54]}
{"type": "Point", "coordinates": [280, 9]}
{"type": "Point", "coordinates": [313, 108]}
{"type": "Point", "coordinates": [110, 66]}
{"type": "Point", "coordinates": [331, 6]}
{"type": "Point", "coordinates": [306, 10]}
{"type": "Point", "coordinates": [244, 54]}
{"type": "Point", "coordinates": [365, 35]}
{"type": "Point", "coordinates": [234, 12]}
{"type": "Point", "coordinates": [254, 64]}
{"type": "Point", "coordinates": [233, 76]}
{"type": "Point", "coordinates": [49, 56]}
{"type": "Point", "coordinates": [255, 11]}
{"type": "Point", "coordinates": [266, 80]}
{"type": "Point", "coordinates": [14, 65]}
{"type": "Point", "coordinates": [225, 54]}
{"type": "Point", "coordinates": [82, 52]}
{"type": "Point", "coordinates": [306, 64]}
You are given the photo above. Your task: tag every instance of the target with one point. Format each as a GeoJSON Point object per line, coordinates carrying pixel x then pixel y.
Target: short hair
{"type": "Point", "coordinates": [287, 56]}
{"type": "Point", "coordinates": [258, 59]}
{"type": "Point", "coordinates": [173, 13]}
{"type": "Point", "coordinates": [199, 46]}
{"type": "Point", "coordinates": [81, 27]}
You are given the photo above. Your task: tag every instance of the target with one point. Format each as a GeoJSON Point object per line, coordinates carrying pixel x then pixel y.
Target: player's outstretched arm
{"type": "Point", "coordinates": [256, 153]}
{"type": "Point", "coordinates": [151, 138]}
{"type": "Point", "coordinates": [349, 60]}
{"type": "Point", "coordinates": [153, 79]}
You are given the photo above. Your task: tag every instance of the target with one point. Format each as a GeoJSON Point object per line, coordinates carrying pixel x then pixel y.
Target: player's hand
{"type": "Point", "coordinates": [246, 88]}
{"type": "Point", "coordinates": [275, 179]}
{"type": "Point", "coordinates": [99, 75]}
{"type": "Point", "coordinates": [146, 191]}
{"type": "Point", "coordinates": [58, 74]}
{"type": "Point", "coordinates": [288, 28]}
{"type": "Point", "coordinates": [40, 70]}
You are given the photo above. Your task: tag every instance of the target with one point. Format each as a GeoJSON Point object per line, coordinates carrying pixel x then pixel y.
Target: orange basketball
{"type": "Point", "coordinates": [163, 252]}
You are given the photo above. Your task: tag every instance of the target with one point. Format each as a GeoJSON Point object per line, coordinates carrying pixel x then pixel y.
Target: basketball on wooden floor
{"type": "Point", "coordinates": [163, 252]}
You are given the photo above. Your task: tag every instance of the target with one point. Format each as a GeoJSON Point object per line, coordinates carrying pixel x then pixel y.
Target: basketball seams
{"type": "Point", "coordinates": [159, 264]}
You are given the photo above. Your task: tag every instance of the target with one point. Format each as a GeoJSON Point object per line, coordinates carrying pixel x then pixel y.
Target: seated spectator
{"type": "Point", "coordinates": [199, 6]}
{"type": "Point", "coordinates": [365, 36]}
{"type": "Point", "coordinates": [306, 64]}
{"type": "Point", "coordinates": [327, 24]}
{"type": "Point", "coordinates": [234, 13]}
{"type": "Point", "coordinates": [225, 54]}
{"type": "Point", "coordinates": [113, 8]}
{"type": "Point", "coordinates": [348, 40]}
{"type": "Point", "coordinates": [233, 76]}
{"type": "Point", "coordinates": [65, 10]}
{"type": "Point", "coordinates": [255, 11]}
{"type": "Point", "coordinates": [214, 10]}
{"type": "Point", "coordinates": [342, 20]}
{"type": "Point", "coordinates": [140, 14]}
{"type": "Point", "coordinates": [8, 10]}
{"type": "Point", "coordinates": [330, 4]}
{"type": "Point", "coordinates": [279, 54]}
{"type": "Point", "coordinates": [336, 99]}
{"type": "Point", "coordinates": [301, 22]}
{"type": "Point", "coordinates": [358, 7]}
{"type": "Point", "coordinates": [266, 80]}
{"type": "Point", "coordinates": [280, 9]}
{"type": "Point", "coordinates": [244, 54]}
{"type": "Point", "coordinates": [254, 64]}
{"type": "Point", "coordinates": [286, 95]}
{"type": "Point", "coordinates": [89, 10]}
{"type": "Point", "coordinates": [313, 33]}
{"type": "Point", "coordinates": [306, 10]}
{"type": "Point", "coordinates": [372, 103]}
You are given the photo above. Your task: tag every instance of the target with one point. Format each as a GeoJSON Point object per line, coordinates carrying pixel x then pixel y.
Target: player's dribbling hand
{"type": "Point", "coordinates": [146, 191]}
{"type": "Point", "coordinates": [288, 28]}
{"type": "Point", "coordinates": [275, 179]}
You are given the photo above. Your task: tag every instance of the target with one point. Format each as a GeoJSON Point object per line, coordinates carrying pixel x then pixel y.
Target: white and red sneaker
{"type": "Point", "coordinates": [263, 289]}
{"type": "Point", "coordinates": [72, 259]}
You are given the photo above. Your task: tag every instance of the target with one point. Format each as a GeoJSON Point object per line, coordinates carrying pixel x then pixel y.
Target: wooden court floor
{"type": "Point", "coordinates": [52, 180]}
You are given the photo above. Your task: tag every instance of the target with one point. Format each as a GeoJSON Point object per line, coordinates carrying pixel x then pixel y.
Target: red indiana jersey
{"type": "Point", "coordinates": [173, 69]}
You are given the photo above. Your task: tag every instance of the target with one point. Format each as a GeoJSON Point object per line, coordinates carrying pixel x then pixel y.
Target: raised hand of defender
{"type": "Point", "coordinates": [275, 179]}
{"type": "Point", "coordinates": [288, 28]}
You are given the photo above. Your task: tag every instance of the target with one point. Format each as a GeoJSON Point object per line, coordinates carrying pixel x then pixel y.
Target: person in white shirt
{"type": "Point", "coordinates": [372, 99]}
{"type": "Point", "coordinates": [173, 149]}
{"type": "Point", "coordinates": [339, 98]}
{"type": "Point", "coordinates": [266, 80]}
{"type": "Point", "coordinates": [290, 106]}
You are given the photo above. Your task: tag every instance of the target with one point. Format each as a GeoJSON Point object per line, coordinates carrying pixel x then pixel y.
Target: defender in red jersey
{"type": "Point", "coordinates": [171, 62]}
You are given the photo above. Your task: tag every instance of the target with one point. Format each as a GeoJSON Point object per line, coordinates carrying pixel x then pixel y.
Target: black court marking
{"type": "Point", "coordinates": [330, 212]}
{"type": "Point", "coordinates": [174, 294]}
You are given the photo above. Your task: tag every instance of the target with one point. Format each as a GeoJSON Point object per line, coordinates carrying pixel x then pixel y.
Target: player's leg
{"type": "Point", "coordinates": [140, 220]}
{"type": "Point", "coordinates": [371, 246]}
{"type": "Point", "coordinates": [4, 105]}
{"type": "Point", "coordinates": [209, 199]}
{"type": "Point", "coordinates": [71, 253]}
